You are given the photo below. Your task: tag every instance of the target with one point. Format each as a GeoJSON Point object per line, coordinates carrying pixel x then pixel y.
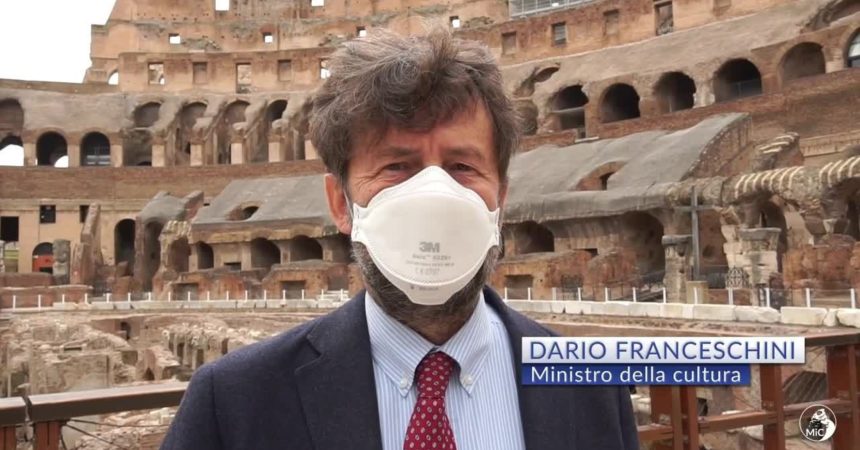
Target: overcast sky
{"type": "Point", "coordinates": [46, 40]}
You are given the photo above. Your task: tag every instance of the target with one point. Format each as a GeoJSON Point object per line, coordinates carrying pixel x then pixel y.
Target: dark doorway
{"type": "Point", "coordinates": [620, 102]}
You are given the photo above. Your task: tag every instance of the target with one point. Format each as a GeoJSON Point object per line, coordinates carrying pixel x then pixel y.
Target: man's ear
{"type": "Point", "coordinates": [337, 206]}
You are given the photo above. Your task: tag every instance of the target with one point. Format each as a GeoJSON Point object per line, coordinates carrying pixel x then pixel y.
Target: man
{"type": "Point", "coordinates": [416, 134]}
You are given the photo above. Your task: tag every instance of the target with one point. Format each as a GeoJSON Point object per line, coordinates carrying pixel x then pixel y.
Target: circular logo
{"type": "Point", "coordinates": [817, 423]}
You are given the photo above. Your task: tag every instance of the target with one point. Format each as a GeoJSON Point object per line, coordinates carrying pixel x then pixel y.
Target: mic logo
{"type": "Point", "coordinates": [817, 423]}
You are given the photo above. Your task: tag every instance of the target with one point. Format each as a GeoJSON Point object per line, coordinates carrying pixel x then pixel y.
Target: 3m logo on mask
{"type": "Point", "coordinates": [429, 247]}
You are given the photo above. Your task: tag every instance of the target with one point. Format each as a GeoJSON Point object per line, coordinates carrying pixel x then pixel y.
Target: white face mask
{"type": "Point", "coordinates": [428, 235]}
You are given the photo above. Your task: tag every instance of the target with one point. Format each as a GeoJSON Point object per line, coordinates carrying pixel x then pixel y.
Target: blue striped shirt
{"type": "Point", "coordinates": [481, 401]}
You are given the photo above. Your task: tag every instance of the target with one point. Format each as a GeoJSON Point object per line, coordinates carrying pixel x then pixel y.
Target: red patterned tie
{"type": "Point", "coordinates": [429, 427]}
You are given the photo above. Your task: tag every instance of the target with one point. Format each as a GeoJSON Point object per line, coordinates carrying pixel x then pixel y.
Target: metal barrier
{"type": "Point", "coordinates": [676, 423]}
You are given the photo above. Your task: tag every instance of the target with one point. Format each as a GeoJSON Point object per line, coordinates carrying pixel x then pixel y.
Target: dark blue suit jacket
{"type": "Point", "coordinates": [312, 387]}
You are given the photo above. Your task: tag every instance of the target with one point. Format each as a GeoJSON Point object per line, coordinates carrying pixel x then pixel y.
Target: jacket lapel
{"type": "Point", "coordinates": [545, 410]}
{"type": "Point", "coordinates": [337, 389]}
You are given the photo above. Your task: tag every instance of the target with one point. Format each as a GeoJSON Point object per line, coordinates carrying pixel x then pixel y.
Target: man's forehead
{"type": "Point", "coordinates": [468, 132]}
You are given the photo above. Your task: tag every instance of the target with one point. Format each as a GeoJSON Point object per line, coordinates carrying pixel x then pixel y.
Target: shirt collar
{"type": "Point", "coordinates": [398, 349]}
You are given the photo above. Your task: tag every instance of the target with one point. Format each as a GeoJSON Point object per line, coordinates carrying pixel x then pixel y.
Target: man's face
{"type": "Point", "coordinates": [464, 147]}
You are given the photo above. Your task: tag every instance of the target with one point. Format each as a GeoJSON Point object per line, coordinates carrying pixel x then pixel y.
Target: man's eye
{"type": "Point", "coordinates": [395, 166]}
{"type": "Point", "coordinates": [459, 167]}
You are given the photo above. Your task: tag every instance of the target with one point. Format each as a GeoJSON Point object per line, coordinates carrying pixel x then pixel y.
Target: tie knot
{"type": "Point", "coordinates": [433, 374]}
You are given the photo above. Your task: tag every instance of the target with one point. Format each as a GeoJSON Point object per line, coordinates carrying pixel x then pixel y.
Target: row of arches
{"type": "Point", "coordinates": [52, 150]}
{"type": "Point", "coordinates": [676, 91]}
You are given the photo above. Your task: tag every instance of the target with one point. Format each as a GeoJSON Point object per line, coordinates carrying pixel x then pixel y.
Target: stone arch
{"type": "Point", "coordinates": [187, 119]}
{"type": "Point", "coordinates": [147, 115]}
{"type": "Point", "coordinates": [803, 60]}
{"type": "Point", "coordinates": [205, 256]}
{"type": "Point", "coordinates": [148, 375]}
{"type": "Point", "coordinates": [264, 254]}
{"type": "Point", "coordinates": [11, 151]}
{"type": "Point", "coordinates": [852, 51]}
{"type": "Point", "coordinates": [151, 252]}
{"type": "Point", "coordinates": [95, 150]}
{"type": "Point", "coordinates": [179, 254]}
{"type": "Point", "coordinates": [527, 114]}
{"type": "Point", "coordinates": [532, 237]}
{"type": "Point", "coordinates": [274, 112]}
{"type": "Point", "coordinates": [43, 258]}
{"type": "Point", "coordinates": [11, 117]}
{"type": "Point", "coordinates": [737, 78]}
{"type": "Point", "coordinates": [123, 243]}
{"type": "Point", "coordinates": [243, 212]}
{"type": "Point", "coordinates": [568, 107]}
{"type": "Point", "coordinates": [234, 113]}
{"type": "Point", "coordinates": [770, 215]}
{"type": "Point", "coordinates": [620, 102]}
{"type": "Point", "coordinates": [527, 87]}
{"type": "Point", "coordinates": [304, 248]}
{"type": "Point", "coordinates": [598, 179]}
{"type": "Point", "coordinates": [50, 148]}
{"type": "Point", "coordinates": [113, 79]}
{"type": "Point", "coordinates": [643, 233]}
{"type": "Point", "coordinates": [675, 91]}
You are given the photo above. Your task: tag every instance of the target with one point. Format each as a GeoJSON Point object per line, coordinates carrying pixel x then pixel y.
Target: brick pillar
{"type": "Point", "coordinates": [678, 263]}
{"type": "Point", "coordinates": [116, 156]}
{"type": "Point", "coordinates": [196, 155]}
{"type": "Point", "coordinates": [158, 155]}
{"type": "Point", "coordinates": [30, 154]}
{"type": "Point", "coordinates": [237, 153]}
{"type": "Point", "coordinates": [275, 152]}
{"type": "Point", "coordinates": [2, 257]}
{"type": "Point", "coordinates": [74, 152]}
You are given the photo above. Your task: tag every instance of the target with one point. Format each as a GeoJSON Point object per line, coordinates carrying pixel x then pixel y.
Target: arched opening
{"type": "Point", "coordinates": [123, 244]}
{"type": "Point", "coordinates": [643, 233]}
{"type": "Point", "coordinates": [11, 151]}
{"type": "Point", "coordinates": [180, 353]}
{"type": "Point", "coordinates": [803, 60]}
{"type": "Point", "coordinates": [50, 148]}
{"type": "Point", "coordinates": [125, 330]}
{"type": "Point", "coordinates": [532, 237]}
{"type": "Point", "coordinates": [852, 53]}
{"type": "Point", "coordinates": [675, 91]}
{"type": "Point", "coordinates": [620, 102]}
{"type": "Point", "coordinates": [187, 119]}
{"type": "Point", "coordinates": [527, 87]}
{"type": "Point", "coordinates": [274, 112]}
{"type": "Point", "coordinates": [146, 115]}
{"type": "Point", "coordinates": [303, 248]}
{"type": "Point", "coordinates": [205, 256]}
{"type": "Point", "coordinates": [113, 80]}
{"type": "Point", "coordinates": [95, 150]}
{"type": "Point", "coordinates": [11, 116]}
{"type": "Point", "coordinates": [43, 258]}
{"type": "Point", "coordinates": [264, 254]}
{"type": "Point", "coordinates": [235, 113]}
{"type": "Point", "coordinates": [569, 109]}
{"type": "Point", "coordinates": [199, 358]}
{"type": "Point", "coordinates": [736, 79]}
{"type": "Point", "coordinates": [771, 216]}
{"type": "Point", "coordinates": [151, 252]}
{"type": "Point", "coordinates": [243, 212]}
{"type": "Point", "coordinates": [179, 254]}
{"type": "Point", "coordinates": [148, 375]}
{"type": "Point", "coordinates": [598, 179]}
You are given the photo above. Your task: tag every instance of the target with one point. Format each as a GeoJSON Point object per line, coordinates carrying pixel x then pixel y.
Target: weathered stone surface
{"type": "Point", "coordinates": [714, 312]}
{"type": "Point", "coordinates": [793, 315]}
{"type": "Point", "coordinates": [848, 317]}
{"type": "Point", "coordinates": [760, 314]}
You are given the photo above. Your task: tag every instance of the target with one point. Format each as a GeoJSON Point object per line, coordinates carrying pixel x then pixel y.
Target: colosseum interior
{"type": "Point", "coordinates": [686, 152]}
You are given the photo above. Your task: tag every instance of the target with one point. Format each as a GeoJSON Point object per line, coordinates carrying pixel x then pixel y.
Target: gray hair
{"type": "Point", "coordinates": [415, 82]}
